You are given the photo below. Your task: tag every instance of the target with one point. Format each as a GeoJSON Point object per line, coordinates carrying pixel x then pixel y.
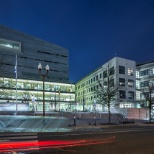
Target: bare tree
{"type": "Point", "coordinates": [147, 93]}
{"type": "Point", "coordinates": [107, 92]}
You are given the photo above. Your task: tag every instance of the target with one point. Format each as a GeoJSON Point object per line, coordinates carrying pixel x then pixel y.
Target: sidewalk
{"type": "Point", "coordinates": [59, 124]}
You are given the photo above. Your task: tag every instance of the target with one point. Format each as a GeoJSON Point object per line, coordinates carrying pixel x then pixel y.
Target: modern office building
{"type": "Point", "coordinates": [129, 78]}
{"type": "Point", "coordinates": [30, 51]}
{"type": "Point", "coordinates": [145, 75]}
{"type": "Point", "coordinates": [121, 73]}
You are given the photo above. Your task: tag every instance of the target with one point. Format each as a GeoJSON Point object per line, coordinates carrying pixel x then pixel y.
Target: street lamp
{"type": "Point", "coordinates": [151, 88]}
{"type": "Point", "coordinates": [43, 77]}
{"type": "Point", "coordinates": [59, 99]}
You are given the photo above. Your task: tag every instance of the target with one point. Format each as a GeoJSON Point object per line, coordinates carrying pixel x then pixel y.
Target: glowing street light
{"type": "Point", "coordinates": [43, 77]}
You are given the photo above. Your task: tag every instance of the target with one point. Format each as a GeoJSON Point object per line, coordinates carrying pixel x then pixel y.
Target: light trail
{"type": "Point", "coordinates": [40, 145]}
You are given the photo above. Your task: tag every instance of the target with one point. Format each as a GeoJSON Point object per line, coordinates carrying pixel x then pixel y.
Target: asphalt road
{"type": "Point", "coordinates": [112, 141]}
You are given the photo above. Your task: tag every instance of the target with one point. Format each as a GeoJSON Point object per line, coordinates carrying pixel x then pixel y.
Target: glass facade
{"type": "Point", "coordinates": [147, 72]}
{"type": "Point", "coordinates": [58, 96]}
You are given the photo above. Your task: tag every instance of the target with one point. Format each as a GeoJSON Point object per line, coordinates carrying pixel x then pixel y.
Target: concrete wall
{"type": "Point", "coordinates": [135, 113]}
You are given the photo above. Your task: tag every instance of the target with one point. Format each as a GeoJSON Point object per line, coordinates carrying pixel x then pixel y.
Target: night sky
{"type": "Point", "coordinates": [92, 30]}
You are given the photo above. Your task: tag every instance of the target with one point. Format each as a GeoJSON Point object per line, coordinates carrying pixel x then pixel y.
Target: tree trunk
{"type": "Point", "coordinates": [109, 112]}
{"type": "Point", "coordinates": [149, 112]}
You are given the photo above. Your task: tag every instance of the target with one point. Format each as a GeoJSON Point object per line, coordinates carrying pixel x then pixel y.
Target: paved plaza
{"type": "Point", "coordinates": [60, 123]}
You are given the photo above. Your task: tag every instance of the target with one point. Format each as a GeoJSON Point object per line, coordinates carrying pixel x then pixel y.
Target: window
{"type": "Point", "coordinates": [138, 95]}
{"type": "Point", "coordinates": [137, 84]}
{"type": "Point", "coordinates": [111, 82]}
{"type": "Point", "coordinates": [111, 71]}
{"type": "Point", "coordinates": [100, 76]}
{"type": "Point", "coordinates": [104, 74]}
{"type": "Point", "coordinates": [13, 45]}
{"type": "Point", "coordinates": [144, 73]}
{"type": "Point", "coordinates": [122, 94]}
{"type": "Point", "coordinates": [122, 82]}
{"type": "Point", "coordinates": [105, 83]}
{"type": "Point", "coordinates": [121, 70]}
{"type": "Point", "coordinates": [130, 71]}
{"type": "Point", "coordinates": [131, 95]}
{"type": "Point", "coordinates": [96, 77]}
{"type": "Point", "coordinates": [130, 83]}
{"type": "Point", "coordinates": [82, 85]}
{"type": "Point", "coordinates": [86, 82]}
{"type": "Point", "coordinates": [150, 71]}
{"type": "Point", "coordinates": [144, 84]}
{"type": "Point", "coordinates": [137, 74]}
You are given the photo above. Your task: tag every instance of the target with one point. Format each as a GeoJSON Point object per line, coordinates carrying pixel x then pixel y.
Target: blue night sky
{"type": "Point", "coordinates": [92, 30]}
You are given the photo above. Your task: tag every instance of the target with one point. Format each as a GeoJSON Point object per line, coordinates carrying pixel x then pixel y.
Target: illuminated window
{"type": "Point", "coordinates": [137, 84]}
{"type": "Point", "coordinates": [137, 74]}
{"type": "Point", "coordinates": [138, 95]}
{"type": "Point", "coordinates": [130, 71]}
{"type": "Point", "coordinates": [12, 45]}
{"type": "Point", "coordinates": [130, 83]}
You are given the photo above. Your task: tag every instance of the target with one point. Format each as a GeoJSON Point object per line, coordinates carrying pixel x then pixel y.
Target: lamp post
{"type": "Point", "coordinates": [151, 88]}
{"type": "Point", "coordinates": [55, 102]}
{"type": "Point", "coordinates": [59, 99]}
{"type": "Point", "coordinates": [43, 77]}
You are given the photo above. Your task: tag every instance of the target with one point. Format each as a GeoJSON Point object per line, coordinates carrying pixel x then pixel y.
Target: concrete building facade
{"type": "Point", "coordinates": [31, 51]}
{"type": "Point", "coordinates": [121, 73]}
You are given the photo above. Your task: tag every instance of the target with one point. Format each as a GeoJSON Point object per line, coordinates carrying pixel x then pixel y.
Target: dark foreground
{"type": "Point", "coordinates": [119, 141]}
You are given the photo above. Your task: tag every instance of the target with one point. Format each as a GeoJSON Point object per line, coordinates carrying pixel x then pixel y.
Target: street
{"type": "Point", "coordinates": [113, 141]}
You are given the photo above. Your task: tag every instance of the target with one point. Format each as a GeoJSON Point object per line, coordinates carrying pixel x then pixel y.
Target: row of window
{"type": "Point", "coordinates": [44, 52]}
{"type": "Point", "coordinates": [111, 83]}
{"type": "Point", "coordinates": [122, 83]}
{"type": "Point", "coordinates": [27, 95]}
{"type": "Point", "coordinates": [147, 72]}
{"type": "Point", "coordinates": [144, 84]}
{"type": "Point", "coordinates": [110, 72]}
{"type": "Point", "coordinates": [31, 85]}
{"type": "Point", "coordinates": [55, 62]}
{"type": "Point", "coordinates": [122, 95]}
